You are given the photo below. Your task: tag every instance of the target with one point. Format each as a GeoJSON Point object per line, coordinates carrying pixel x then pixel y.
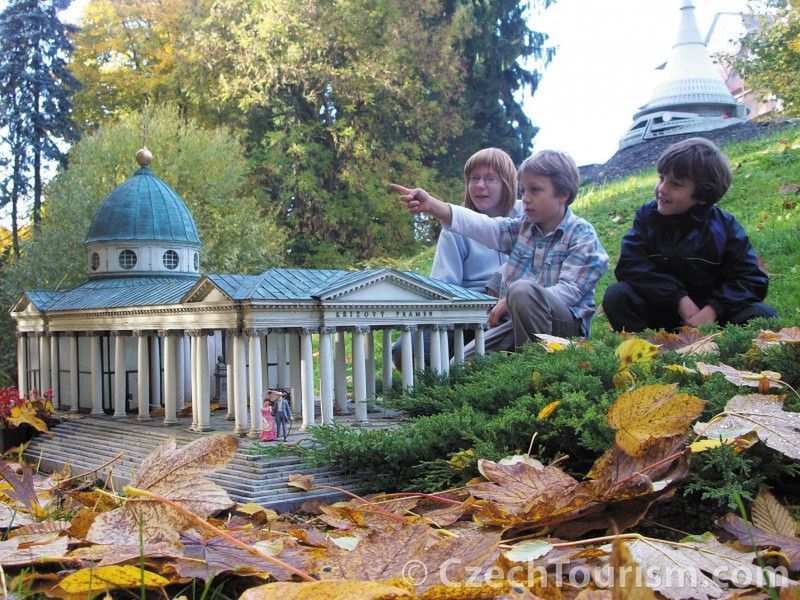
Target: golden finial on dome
{"type": "Point", "coordinates": [144, 157]}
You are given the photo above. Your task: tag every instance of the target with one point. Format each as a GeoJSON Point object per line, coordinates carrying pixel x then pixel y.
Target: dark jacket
{"type": "Point", "coordinates": [703, 253]}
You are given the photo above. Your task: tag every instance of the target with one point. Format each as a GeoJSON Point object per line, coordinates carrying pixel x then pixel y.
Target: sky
{"type": "Point", "coordinates": [605, 67]}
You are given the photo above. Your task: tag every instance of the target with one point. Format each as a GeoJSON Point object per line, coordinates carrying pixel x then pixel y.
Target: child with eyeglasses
{"type": "Point", "coordinates": [490, 188]}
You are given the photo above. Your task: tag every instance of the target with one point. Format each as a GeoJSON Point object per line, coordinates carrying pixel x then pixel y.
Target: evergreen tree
{"type": "Point", "coordinates": [36, 88]}
{"type": "Point", "coordinates": [501, 56]}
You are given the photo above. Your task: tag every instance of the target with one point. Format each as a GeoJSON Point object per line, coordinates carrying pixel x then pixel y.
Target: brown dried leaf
{"type": "Point", "coordinates": [113, 555]}
{"type": "Point", "coordinates": [789, 188]}
{"type": "Point", "coordinates": [650, 412]}
{"type": "Point", "coordinates": [787, 335]}
{"type": "Point", "coordinates": [689, 340]}
{"type": "Point", "coordinates": [629, 485]}
{"type": "Point", "coordinates": [514, 485]}
{"type": "Point", "coordinates": [741, 378]}
{"type": "Point", "coordinates": [772, 516]}
{"type": "Point", "coordinates": [386, 554]}
{"type": "Point", "coordinates": [626, 583]}
{"type": "Point", "coordinates": [49, 526]}
{"type": "Point", "coordinates": [303, 483]}
{"type": "Point", "coordinates": [22, 488]}
{"type": "Point", "coordinates": [750, 535]}
{"type": "Point", "coordinates": [205, 558]}
{"type": "Point", "coordinates": [33, 549]}
{"type": "Point", "coordinates": [13, 518]}
{"type": "Point", "coordinates": [95, 500]}
{"type": "Point", "coordinates": [330, 590]}
{"type": "Point", "coordinates": [762, 414]}
{"type": "Point", "coordinates": [176, 474]}
{"type": "Point", "coordinates": [680, 571]}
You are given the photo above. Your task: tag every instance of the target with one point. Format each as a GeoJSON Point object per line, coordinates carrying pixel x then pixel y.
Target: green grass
{"type": "Point", "coordinates": [771, 220]}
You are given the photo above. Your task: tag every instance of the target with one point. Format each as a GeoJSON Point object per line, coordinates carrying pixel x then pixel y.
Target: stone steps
{"type": "Point", "coordinates": [89, 442]}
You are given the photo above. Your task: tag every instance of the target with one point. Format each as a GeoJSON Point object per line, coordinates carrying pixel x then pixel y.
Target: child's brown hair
{"type": "Point", "coordinates": [559, 167]}
{"type": "Point", "coordinates": [699, 160]}
{"type": "Point", "coordinates": [501, 163]}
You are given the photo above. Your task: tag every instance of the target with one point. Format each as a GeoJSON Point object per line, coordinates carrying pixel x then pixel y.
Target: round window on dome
{"type": "Point", "coordinates": [95, 261]}
{"type": "Point", "coordinates": [170, 260]}
{"type": "Point", "coordinates": [127, 259]}
{"type": "Point", "coordinates": [196, 261]}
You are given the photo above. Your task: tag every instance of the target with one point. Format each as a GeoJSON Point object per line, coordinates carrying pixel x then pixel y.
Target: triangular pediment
{"type": "Point", "coordinates": [205, 290]}
{"type": "Point", "coordinates": [386, 285]}
{"type": "Point", "coordinates": [22, 304]}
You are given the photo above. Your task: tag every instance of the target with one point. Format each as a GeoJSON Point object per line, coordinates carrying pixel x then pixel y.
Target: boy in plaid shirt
{"type": "Point", "coordinates": [555, 259]}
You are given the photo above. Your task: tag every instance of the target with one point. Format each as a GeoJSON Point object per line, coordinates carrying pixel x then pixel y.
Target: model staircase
{"type": "Point", "coordinates": [88, 443]}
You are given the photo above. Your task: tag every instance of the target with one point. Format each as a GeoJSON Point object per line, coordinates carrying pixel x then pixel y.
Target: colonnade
{"type": "Point", "coordinates": [160, 367]}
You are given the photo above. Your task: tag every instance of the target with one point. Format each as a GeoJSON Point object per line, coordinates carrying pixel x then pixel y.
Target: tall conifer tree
{"type": "Point", "coordinates": [36, 89]}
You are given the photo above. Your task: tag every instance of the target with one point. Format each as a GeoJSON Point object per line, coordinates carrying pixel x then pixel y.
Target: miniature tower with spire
{"type": "Point", "coordinates": [691, 97]}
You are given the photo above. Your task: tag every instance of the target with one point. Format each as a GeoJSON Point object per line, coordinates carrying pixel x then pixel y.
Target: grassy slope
{"type": "Point", "coordinates": [772, 221]}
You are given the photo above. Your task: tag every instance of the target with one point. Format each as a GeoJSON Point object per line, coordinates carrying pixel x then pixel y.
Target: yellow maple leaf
{"type": "Point", "coordinates": [650, 412]}
{"type": "Point", "coordinates": [635, 351]}
{"type": "Point", "coordinates": [548, 410]}
{"type": "Point", "coordinates": [460, 460]}
{"type": "Point", "coordinates": [99, 579]}
{"type": "Point", "coordinates": [679, 369]}
{"type": "Point", "coordinates": [26, 414]}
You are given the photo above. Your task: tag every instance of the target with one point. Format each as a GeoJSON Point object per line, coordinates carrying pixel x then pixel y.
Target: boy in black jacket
{"type": "Point", "coordinates": [685, 261]}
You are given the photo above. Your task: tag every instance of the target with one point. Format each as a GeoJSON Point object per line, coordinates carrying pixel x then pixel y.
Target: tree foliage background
{"type": "Point", "coordinates": [771, 60]}
{"type": "Point", "coordinates": [332, 99]}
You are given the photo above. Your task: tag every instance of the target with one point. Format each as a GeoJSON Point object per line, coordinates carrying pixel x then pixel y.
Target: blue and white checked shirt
{"type": "Point", "coordinates": [569, 260]}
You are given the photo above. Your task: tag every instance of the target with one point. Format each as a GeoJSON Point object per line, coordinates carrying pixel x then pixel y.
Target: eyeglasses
{"type": "Point", "coordinates": [488, 180]}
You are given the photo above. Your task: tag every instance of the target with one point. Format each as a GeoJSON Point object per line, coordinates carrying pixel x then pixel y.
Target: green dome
{"type": "Point", "coordinates": [143, 208]}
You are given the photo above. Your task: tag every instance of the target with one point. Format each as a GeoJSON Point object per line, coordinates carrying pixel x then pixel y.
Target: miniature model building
{"type": "Point", "coordinates": [692, 96]}
{"type": "Point", "coordinates": [146, 329]}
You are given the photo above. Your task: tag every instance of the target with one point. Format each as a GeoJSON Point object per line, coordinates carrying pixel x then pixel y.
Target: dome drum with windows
{"type": "Point", "coordinates": [143, 228]}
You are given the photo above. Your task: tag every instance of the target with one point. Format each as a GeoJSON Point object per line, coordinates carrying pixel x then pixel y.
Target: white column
{"type": "Point", "coordinates": [203, 385]}
{"type": "Point", "coordinates": [170, 388]}
{"type": "Point", "coordinates": [240, 385]}
{"type": "Point", "coordinates": [44, 364]}
{"type": "Point", "coordinates": [307, 366]}
{"type": "Point", "coordinates": [370, 338]}
{"type": "Point", "coordinates": [265, 378]}
{"type": "Point", "coordinates": [180, 367]}
{"type": "Point", "coordinates": [283, 364]}
{"type": "Point", "coordinates": [387, 360]}
{"type": "Point", "coordinates": [419, 349]}
{"type": "Point", "coordinates": [22, 365]}
{"type": "Point", "coordinates": [443, 346]}
{"type": "Point", "coordinates": [326, 374]}
{"type": "Point", "coordinates": [230, 377]}
{"type": "Point", "coordinates": [155, 370]}
{"type": "Point", "coordinates": [256, 376]}
{"type": "Point", "coordinates": [359, 374]}
{"type": "Point", "coordinates": [55, 379]}
{"type": "Point", "coordinates": [142, 376]}
{"type": "Point", "coordinates": [406, 356]}
{"type": "Point", "coordinates": [339, 373]}
{"type": "Point", "coordinates": [97, 373]}
{"type": "Point", "coordinates": [295, 373]}
{"type": "Point", "coordinates": [119, 375]}
{"type": "Point", "coordinates": [73, 372]}
{"type": "Point", "coordinates": [436, 351]}
{"type": "Point", "coordinates": [480, 341]}
{"type": "Point", "coordinates": [458, 344]}
{"type": "Point", "coordinates": [194, 342]}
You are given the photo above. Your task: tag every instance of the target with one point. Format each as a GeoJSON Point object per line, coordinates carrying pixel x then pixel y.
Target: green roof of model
{"type": "Point", "coordinates": [143, 208]}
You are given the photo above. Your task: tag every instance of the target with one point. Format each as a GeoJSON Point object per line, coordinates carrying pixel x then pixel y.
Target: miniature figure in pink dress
{"type": "Point", "coordinates": [268, 433]}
